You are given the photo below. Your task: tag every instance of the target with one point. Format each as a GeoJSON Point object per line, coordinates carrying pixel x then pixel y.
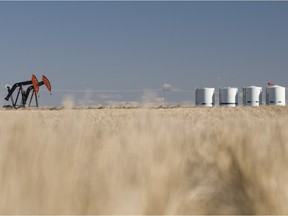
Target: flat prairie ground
{"type": "Point", "coordinates": [144, 161]}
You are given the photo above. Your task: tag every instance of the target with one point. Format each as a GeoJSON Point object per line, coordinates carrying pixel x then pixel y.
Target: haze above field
{"type": "Point", "coordinates": [142, 45]}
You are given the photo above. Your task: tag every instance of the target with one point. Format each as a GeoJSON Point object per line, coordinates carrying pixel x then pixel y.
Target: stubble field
{"type": "Point", "coordinates": [144, 161]}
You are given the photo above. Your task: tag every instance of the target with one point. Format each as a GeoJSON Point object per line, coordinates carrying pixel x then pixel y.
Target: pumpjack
{"type": "Point", "coordinates": [33, 88]}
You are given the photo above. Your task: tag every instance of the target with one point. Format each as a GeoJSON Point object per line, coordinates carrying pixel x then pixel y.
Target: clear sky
{"type": "Point", "coordinates": [143, 45]}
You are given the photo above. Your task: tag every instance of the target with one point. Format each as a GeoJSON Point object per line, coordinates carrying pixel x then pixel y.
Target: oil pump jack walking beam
{"type": "Point", "coordinates": [33, 87]}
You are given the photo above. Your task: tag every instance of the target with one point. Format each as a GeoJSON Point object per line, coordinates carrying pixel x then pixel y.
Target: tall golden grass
{"type": "Point", "coordinates": [144, 161]}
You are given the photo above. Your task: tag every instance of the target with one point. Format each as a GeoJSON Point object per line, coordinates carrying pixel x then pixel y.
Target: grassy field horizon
{"type": "Point", "coordinates": [219, 160]}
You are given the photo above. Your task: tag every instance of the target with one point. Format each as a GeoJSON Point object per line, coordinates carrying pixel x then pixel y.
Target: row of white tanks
{"type": "Point", "coordinates": [252, 96]}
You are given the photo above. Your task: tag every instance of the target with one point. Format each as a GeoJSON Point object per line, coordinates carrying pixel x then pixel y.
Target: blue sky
{"type": "Point", "coordinates": [142, 45]}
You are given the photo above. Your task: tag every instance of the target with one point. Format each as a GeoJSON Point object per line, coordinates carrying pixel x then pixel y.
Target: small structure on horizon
{"type": "Point", "coordinates": [228, 96]}
{"type": "Point", "coordinates": [252, 96]}
{"type": "Point", "coordinates": [33, 88]}
{"type": "Point", "coordinates": [205, 97]}
{"type": "Point", "coordinates": [275, 95]}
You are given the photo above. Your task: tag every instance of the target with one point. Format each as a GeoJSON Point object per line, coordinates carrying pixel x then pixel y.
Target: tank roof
{"type": "Point", "coordinates": [275, 86]}
{"type": "Point", "coordinates": [252, 87]}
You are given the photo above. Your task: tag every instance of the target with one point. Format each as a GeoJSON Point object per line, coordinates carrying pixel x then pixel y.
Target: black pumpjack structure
{"type": "Point", "coordinates": [33, 86]}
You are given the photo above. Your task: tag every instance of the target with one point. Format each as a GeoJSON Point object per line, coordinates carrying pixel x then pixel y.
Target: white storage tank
{"type": "Point", "coordinates": [228, 96]}
{"type": "Point", "coordinates": [205, 97]}
{"type": "Point", "coordinates": [252, 96]}
{"type": "Point", "coordinates": [275, 95]}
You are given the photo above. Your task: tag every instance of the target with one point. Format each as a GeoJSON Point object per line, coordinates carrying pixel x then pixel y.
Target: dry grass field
{"type": "Point", "coordinates": [144, 161]}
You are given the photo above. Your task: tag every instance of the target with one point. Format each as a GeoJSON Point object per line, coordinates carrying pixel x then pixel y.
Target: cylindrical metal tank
{"type": "Point", "coordinates": [228, 96]}
{"type": "Point", "coordinates": [205, 97]}
{"type": "Point", "coordinates": [252, 96]}
{"type": "Point", "coordinates": [275, 95]}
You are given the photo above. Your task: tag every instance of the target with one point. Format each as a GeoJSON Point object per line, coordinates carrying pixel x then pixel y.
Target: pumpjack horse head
{"type": "Point", "coordinates": [33, 88]}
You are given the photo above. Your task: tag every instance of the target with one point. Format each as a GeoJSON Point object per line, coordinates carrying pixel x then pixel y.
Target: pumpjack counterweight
{"type": "Point", "coordinates": [33, 86]}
